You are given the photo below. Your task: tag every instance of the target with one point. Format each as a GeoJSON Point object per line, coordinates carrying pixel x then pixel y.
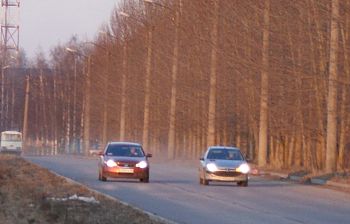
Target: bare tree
{"type": "Point", "coordinates": [263, 129]}
{"type": "Point", "coordinates": [213, 69]}
{"type": "Point", "coordinates": [332, 91]}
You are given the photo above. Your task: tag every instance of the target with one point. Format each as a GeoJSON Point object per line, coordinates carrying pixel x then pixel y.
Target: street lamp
{"type": "Point", "coordinates": [85, 121]}
{"type": "Point", "coordinates": [124, 14]}
{"type": "Point", "coordinates": [105, 93]}
{"type": "Point", "coordinates": [123, 94]}
{"type": "Point", "coordinates": [158, 4]}
{"type": "Point", "coordinates": [174, 72]}
{"type": "Point", "coordinates": [145, 132]}
{"type": "Point", "coordinates": [71, 50]}
{"type": "Point", "coordinates": [74, 52]}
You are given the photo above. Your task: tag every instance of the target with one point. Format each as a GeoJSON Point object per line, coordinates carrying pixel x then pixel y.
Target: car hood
{"type": "Point", "coordinates": [124, 159]}
{"type": "Point", "coordinates": [226, 163]}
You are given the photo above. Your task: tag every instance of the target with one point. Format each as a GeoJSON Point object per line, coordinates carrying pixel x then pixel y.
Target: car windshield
{"type": "Point", "coordinates": [124, 150]}
{"type": "Point", "coordinates": [224, 154]}
{"type": "Point", "coordinates": [11, 137]}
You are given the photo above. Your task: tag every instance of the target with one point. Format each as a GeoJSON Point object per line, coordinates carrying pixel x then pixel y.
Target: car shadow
{"type": "Point", "coordinates": [172, 181]}
{"type": "Point", "coordinates": [122, 181]}
{"type": "Point", "coordinates": [257, 184]}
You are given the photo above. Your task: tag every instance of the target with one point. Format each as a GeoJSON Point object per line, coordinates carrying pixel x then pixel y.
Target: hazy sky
{"type": "Point", "coordinates": [45, 23]}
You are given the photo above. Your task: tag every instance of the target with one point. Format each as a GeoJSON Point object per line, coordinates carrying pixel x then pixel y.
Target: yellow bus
{"type": "Point", "coordinates": [11, 141]}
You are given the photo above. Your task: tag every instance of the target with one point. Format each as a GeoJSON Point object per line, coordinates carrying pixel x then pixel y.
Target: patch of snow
{"type": "Point", "coordinates": [76, 197]}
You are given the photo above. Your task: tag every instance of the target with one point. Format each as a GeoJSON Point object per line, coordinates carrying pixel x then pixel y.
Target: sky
{"type": "Point", "coordinates": [46, 23]}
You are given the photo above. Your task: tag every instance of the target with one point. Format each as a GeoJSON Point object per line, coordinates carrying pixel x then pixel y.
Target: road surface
{"type": "Point", "coordinates": [174, 193]}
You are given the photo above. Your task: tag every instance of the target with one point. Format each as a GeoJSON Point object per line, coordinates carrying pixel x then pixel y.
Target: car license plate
{"type": "Point", "coordinates": [125, 170]}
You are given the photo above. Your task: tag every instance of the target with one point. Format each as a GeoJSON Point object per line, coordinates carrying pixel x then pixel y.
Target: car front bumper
{"type": "Point", "coordinates": [118, 172]}
{"type": "Point", "coordinates": [226, 176]}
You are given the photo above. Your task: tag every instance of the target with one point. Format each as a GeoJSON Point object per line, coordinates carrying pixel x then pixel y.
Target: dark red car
{"type": "Point", "coordinates": [124, 160]}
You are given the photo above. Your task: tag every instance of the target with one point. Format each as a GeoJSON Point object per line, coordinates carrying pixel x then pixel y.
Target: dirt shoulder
{"type": "Point", "coordinates": [31, 194]}
{"type": "Point", "coordinates": [339, 181]}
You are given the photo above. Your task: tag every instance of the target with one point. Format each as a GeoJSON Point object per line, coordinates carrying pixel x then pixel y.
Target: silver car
{"type": "Point", "coordinates": [222, 163]}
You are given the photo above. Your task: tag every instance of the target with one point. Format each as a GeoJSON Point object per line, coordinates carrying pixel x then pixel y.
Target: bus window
{"type": "Point", "coordinates": [11, 137]}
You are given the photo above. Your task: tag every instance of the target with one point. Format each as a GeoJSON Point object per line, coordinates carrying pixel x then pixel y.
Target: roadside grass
{"type": "Point", "coordinates": [30, 194]}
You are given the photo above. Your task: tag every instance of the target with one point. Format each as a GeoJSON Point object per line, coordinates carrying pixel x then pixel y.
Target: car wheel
{"type": "Point", "coordinates": [242, 183]}
{"type": "Point", "coordinates": [205, 182]}
{"type": "Point", "coordinates": [101, 177]}
{"type": "Point", "coordinates": [145, 180]}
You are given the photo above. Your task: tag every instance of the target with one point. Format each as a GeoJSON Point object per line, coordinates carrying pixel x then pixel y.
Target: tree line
{"type": "Point", "coordinates": [271, 77]}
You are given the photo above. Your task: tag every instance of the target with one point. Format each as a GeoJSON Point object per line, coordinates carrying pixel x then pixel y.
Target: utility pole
{"type": "Point", "coordinates": [25, 116]}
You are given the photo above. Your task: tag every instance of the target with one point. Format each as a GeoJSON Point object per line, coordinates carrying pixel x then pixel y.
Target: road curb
{"type": "Point", "coordinates": [151, 215]}
{"type": "Point", "coordinates": [336, 184]}
{"type": "Point", "coordinates": [314, 181]}
{"type": "Point", "coordinates": [295, 178]}
{"type": "Point", "coordinates": [318, 181]}
{"type": "Point", "coordinates": [281, 175]}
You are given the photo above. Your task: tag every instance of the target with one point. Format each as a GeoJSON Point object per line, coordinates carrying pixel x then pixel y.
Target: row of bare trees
{"type": "Point", "coordinates": [271, 77]}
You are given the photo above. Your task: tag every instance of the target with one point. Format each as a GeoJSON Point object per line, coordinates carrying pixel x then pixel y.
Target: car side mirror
{"type": "Point", "coordinates": [148, 155]}
{"type": "Point", "coordinates": [248, 160]}
{"type": "Point", "coordinates": [100, 153]}
{"type": "Point", "coordinates": [201, 159]}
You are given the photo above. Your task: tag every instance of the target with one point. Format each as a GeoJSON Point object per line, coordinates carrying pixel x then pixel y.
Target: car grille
{"type": "Point", "coordinates": [126, 164]}
{"type": "Point", "coordinates": [227, 173]}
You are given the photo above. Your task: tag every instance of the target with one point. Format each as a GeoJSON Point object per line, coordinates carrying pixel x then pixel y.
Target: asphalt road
{"type": "Point", "coordinates": [174, 193]}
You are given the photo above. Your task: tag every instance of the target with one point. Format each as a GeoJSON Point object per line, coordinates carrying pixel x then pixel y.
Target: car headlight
{"type": "Point", "coordinates": [142, 164]}
{"type": "Point", "coordinates": [211, 167]}
{"type": "Point", "coordinates": [243, 168]}
{"type": "Point", "coordinates": [111, 163]}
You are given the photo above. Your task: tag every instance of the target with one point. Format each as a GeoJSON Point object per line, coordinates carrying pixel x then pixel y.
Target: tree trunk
{"type": "Point", "coordinates": [172, 116]}
{"type": "Point", "coordinates": [123, 104]}
{"type": "Point", "coordinates": [343, 113]}
{"type": "Point", "coordinates": [331, 148]}
{"type": "Point", "coordinates": [298, 150]}
{"type": "Point", "coordinates": [105, 112]}
{"type": "Point", "coordinates": [319, 87]}
{"type": "Point", "coordinates": [213, 69]}
{"type": "Point", "coordinates": [68, 119]}
{"type": "Point", "coordinates": [296, 59]}
{"type": "Point", "coordinates": [145, 133]}
{"type": "Point", "coordinates": [45, 130]}
{"type": "Point", "coordinates": [262, 154]}
{"type": "Point", "coordinates": [74, 128]}
{"type": "Point", "coordinates": [54, 118]}
{"type": "Point", "coordinates": [273, 153]}
{"type": "Point", "coordinates": [86, 111]}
